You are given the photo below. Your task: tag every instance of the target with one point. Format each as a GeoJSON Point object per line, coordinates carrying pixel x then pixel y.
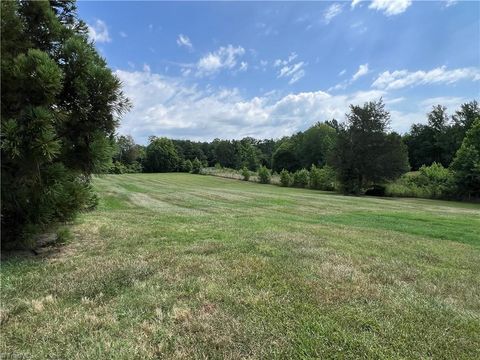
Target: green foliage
{"type": "Point", "coordinates": [246, 174]}
{"type": "Point", "coordinates": [161, 156]}
{"type": "Point", "coordinates": [196, 166]}
{"type": "Point", "coordinates": [300, 178]}
{"type": "Point", "coordinates": [285, 157]}
{"type": "Point", "coordinates": [315, 145]}
{"type": "Point", "coordinates": [187, 166]}
{"type": "Point", "coordinates": [60, 107]}
{"type": "Point", "coordinates": [322, 178]}
{"type": "Point", "coordinates": [439, 139]}
{"type": "Point", "coordinates": [264, 175]}
{"type": "Point", "coordinates": [467, 163]}
{"type": "Point", "coordinates": [365, 154]}
{"type": "Point", "coordinates": [285, 178]}
{"type": "Point", "coordinates": [432, 182]}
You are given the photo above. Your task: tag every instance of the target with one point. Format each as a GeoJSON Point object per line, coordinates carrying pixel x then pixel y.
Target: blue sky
{"type": "Point", "coordinates": [205, 70]}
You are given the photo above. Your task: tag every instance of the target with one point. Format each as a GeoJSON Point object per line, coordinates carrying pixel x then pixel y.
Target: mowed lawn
{"type": "Point", "coordinates": [190, 266]}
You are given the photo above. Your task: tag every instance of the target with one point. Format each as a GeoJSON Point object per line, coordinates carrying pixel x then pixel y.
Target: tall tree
{"type": "Point", "coordinates": [60, 107]}
{"type": "Point", "coordinates": [161, 156]}
{"type": "Point", "coordinates": [467, 162]}
{"type": "Point", "coordinates": [365, 153]}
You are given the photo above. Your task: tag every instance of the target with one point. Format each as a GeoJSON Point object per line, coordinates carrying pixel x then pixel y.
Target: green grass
{"type": "Point", "coordinates": [191, 266]}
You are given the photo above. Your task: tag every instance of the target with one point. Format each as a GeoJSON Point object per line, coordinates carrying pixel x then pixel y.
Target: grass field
{"type": "Point", "coordinates": [191, 266]}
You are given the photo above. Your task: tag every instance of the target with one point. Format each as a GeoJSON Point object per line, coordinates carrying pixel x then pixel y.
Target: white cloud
{"type": "Point", "coordinates": [98, 32]}
{"type": "Point", "coordinates": [166, 106]}
{"type": "Point", "coordinates": [449, 3]}
{"type": "Point", "coordinates": [359, 27]}
{"type": "Point", "coordinates": [362, 70]}
{"type": "Point", "coordinates": [341, 73]}
{"type": "Point", "coordinates": [402, 78]}
{"type": "Point", "coordinates": [183, 40]}
{"type": "Point", "coordinates": [355, 3]}
{"type": "Point", "coordinates": [146, 67]}
{"type": "Point", "coordinates": [223, 58]}
{"type": "Point", "coordinates": [123, 34]}
{"type": "Point", "coordinates": [332, 11]}
{"type": "Point", "coordinates": [294, 71]}
{"type": "Point", "coordinates": [390, 7]}
{"type": "Point", "coordinates": [451, 102]}
{"type": "Point", "coordinates": [243, 66]}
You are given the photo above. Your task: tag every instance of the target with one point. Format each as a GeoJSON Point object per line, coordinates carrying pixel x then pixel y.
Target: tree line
{"type": "Point", "coordinates": [362, 150]}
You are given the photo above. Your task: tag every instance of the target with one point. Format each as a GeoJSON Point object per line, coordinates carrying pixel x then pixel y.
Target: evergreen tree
{"type": "Point", "coordinates": [60, 107]}
{"type": "Point", "coordinates": [467, 163]}
{"type": "Point", "coordinates": [365, 152]}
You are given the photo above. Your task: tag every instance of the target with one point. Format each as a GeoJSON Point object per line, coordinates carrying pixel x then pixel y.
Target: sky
{"type": "Point", "coordinates": [206, 70]}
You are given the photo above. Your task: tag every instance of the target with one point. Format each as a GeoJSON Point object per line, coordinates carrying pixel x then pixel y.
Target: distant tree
{"type": "Point", "coordinates": [196, 166]}
{"type": "Point", "coordinates": [365, 152]}
{"type": "Point", "coordinates": [466, 116]}
{"type": "Point", "coordinates": [161, 156]}
{"type": "Point", "coordinates": [249, 155]}
{"type": "Point", "coordinates": [285, 157]}
{"type": "Point", "coordinates": [315, 145]}
{"type": "Point", "coordinates": [227, 153]}
{"type": "Point", "coordinates": [439, 139]}
{"type": "Point", "coordinates": [187, 166]}
{"type": "Point", "coordinates": [60, 107]}
{"type": "Point", "coordinates": [466, 163]}
{"type": "Point", "coordinates": [266, 148]}
{"type": "Point", "coordinates": [421, 147]}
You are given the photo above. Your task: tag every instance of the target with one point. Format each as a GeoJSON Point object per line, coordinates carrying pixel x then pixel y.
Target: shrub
{"type": "Point", "coordinates": [187, 166]}
{"type": "Point", "coordinates": [245, 174]}
{"type": "Point", "coordinates": [322, 178]}
{"type": "Point", "coordinates": [264, 175]}
{"type": "Point", "coordinates": [436, 178]}
{"type": "Point", "coordinates": [285, 178]}
{"type": "Point", "coordinates": [300, 178]}
{"type": "Point", "coordinates": [432, 181]}
{"type": "Point", "coordinates": [196, 166]}
{"type": "Point", "coordinates": [117, 168]}
{"type": "Point", "coordinates": [218, 166]}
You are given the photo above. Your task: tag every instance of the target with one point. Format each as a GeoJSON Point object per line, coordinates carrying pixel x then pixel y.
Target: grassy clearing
{"type": "Point", "coordinates": [191, 266]}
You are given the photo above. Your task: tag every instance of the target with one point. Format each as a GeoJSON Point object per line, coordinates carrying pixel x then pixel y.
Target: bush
{"type": "Point", "coordinates": [245, 174]}
{"type": "Point", "coordinates": [187, 166]}
{"type": "Point", "coordinates": [196, 166]}
{"type": "Point", "coordinates": [264, 175]}
{"type": "Point", "coordinates": [300, 178]}
{"type": "Point", "coordinates": [322, 178]}
{"type": "Point", "coordinates": [285, 178]}
{"type": "Point", "coordinates": [432, 181]}
{"type": "Point", "coordinates": [117, 168]}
